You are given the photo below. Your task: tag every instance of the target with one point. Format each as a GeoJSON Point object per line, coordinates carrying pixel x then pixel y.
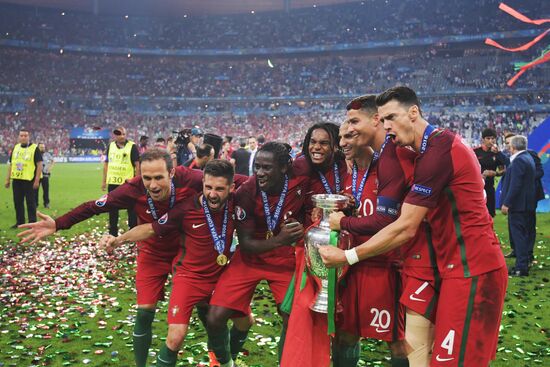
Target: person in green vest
{"type": "Point", "coordinates": [24, 169]}
{"type": "Point", "coordinates": [121, 164]}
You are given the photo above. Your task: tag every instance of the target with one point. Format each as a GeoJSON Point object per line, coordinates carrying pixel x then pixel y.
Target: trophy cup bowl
{"type": "Point", "coordinates": [321, 236]}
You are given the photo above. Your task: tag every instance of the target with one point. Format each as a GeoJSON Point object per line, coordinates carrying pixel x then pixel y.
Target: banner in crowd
{"type": "Point", "coordinates": [92, 134]}
{"type": "Point", "coordinates": [84, 138]}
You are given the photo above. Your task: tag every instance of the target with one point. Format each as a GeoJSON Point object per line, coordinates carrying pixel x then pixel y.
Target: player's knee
{"type": "Point", "coordinates": [176, 336]}
{"type": "Point", "coordinates": [216, 319]}
{"type": "Point", "coordinates": [244, 323]}
{"type": "Point", "coordinates": [419, 335]}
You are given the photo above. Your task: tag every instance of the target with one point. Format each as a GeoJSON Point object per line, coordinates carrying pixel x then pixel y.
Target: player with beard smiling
{"type": "Point", "coordinates": [206, 221]}
{"type": "Point", "coordinates": [269, 215]}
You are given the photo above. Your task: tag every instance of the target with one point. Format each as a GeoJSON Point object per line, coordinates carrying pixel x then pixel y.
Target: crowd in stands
{"type": "Point", "coordinates": [52, 127]}
{"type": "Point", "coordinates": [427, 71]}
{"type": "Point", "coordinates": [51, 92]}
{"type": "Point", "coordinates": [355, 22]}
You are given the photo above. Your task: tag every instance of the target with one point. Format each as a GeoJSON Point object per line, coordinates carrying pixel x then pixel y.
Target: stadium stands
{"type": "Point", "coordinates": [462, 84]}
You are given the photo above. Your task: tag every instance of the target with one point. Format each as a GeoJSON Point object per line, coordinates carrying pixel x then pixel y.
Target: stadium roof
{"type": "Point", "coordinates": [174, 8]}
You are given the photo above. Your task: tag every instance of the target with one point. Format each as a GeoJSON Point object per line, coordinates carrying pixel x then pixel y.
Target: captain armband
{"type": "Point", "coordinates": [387, 206]}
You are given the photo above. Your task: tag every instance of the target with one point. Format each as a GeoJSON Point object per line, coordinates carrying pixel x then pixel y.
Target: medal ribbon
{"type": "Point", "coordinates": [377, 155]}
{"type": "Point", "coordinates": [424, 145]}
{"type": "Point", "coordinates": [357, 193]}
{"type": "Point", "coordinates": [336, 180]}
{"type": "Point", "coordinates": [272, 221]}
{"type": "Point", "coordinates": [152, 203]}
{"type": "Point", "coordinates": [219, 241]}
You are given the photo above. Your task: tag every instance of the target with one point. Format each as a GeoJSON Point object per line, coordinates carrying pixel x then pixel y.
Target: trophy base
{"type": "Point", "coordinates": [321, 303]}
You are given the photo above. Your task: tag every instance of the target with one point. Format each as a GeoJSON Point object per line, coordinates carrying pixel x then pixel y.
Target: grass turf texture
{"type": "Point", "coordinates": [78, 308]}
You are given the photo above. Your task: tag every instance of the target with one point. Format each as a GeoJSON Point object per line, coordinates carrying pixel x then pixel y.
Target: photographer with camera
{"type": "Point", "coordinates": [186, 142]}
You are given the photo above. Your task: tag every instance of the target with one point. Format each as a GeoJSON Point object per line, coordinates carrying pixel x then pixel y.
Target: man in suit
{"type": "Point", "coordinates": [519, 202]}
{"type": "Point", "coordinates": [539, 191]}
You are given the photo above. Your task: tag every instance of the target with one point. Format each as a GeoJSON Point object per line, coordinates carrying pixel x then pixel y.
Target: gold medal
{"type": "Point", "coordinates": [221, 260]}
{"type": "Point", "coordinates": [268, 235]}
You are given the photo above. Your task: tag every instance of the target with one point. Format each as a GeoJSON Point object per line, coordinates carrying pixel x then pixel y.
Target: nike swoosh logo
{"type": "Point", "coordinates": [381, 331]}
{"type": "Point", "coordinates": [413, 298]}
{"type": "Point", "coordinates": [198, 225]}
{"type": "Point", "coordinates": [148, 211]}
{"type": "Point", "coordinates": [439, 359]}
{"type": "Point", "coordinates": [348, 187]}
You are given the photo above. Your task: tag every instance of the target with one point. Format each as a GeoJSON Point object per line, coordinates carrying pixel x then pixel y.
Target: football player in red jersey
{"type": "Point", "coordinates": [394, 170]}
{"type": "Point", "coordinates": [468, 254]}
{"type": "Point", "coordinates": [265, 206]}
{"type": "Point", "coordinates": [206, 221]}
{"type": "Point", "coordinates": [158, 189]}
{"type": "Point", "coordinates": [370, 297]}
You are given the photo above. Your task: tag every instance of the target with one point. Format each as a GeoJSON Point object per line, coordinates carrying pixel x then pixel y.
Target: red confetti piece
{"type": "Point", "coordinates": [524, 47]}
{"type": "Point", "coordinates": [528, 66]}
{"type": "Point", "coordinates": [516, 14]}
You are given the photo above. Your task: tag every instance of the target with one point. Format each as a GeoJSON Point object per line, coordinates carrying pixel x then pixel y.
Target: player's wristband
{"type": "Point", "coordinates": [351, 256]}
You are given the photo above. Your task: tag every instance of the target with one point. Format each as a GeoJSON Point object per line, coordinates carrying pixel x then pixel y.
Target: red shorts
{"type": "Point", "coordinates": [468, 319]}
{"type": "Point", "coordinates": [236, 285]}
{"type": "Point", "coordinates": [420, 296]}
{"type": "Point", "coordinates": [151, 275]}
{"type": "Point", "coordinates": [186, 293]}
{"type": "Point", "coordinates": [370, 300]}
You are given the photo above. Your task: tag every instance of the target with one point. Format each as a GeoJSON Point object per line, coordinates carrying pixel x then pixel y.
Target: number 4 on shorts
{"type": "Point", "coordinates": [447, 344]}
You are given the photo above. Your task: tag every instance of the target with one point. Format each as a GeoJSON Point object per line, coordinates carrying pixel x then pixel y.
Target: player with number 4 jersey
{"type": "Point", "coordinates": [468, 254]}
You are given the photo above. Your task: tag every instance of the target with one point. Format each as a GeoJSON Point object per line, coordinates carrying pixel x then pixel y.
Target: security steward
{"type": "Point", "coordinates": [24, 169]}
{"type": "Point", "coordinates": [121, 164]}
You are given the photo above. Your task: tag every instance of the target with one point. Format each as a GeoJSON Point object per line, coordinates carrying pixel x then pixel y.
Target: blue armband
{"type": "Point", "coordinates": [387, 206]}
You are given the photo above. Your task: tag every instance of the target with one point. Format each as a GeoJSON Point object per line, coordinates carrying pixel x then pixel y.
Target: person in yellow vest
{"type": "Point", "coordinates": [121, 164]}
{"type": "Point", "coordinates": [24, 169]}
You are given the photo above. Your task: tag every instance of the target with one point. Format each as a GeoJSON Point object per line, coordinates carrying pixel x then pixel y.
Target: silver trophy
{"type": "Point", "coordinates": [321, 236]}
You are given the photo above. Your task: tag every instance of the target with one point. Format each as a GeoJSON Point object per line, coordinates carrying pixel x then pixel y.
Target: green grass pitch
{"type": "Point", "coordinates": [63, 303]}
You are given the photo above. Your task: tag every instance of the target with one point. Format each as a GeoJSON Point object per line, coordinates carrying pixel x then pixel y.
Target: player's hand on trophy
{"type": "Point", "coordinates": [333, 257]}
{"type": "Point", "coordinates": [334, 220]}
{"type": "Point", "coordinates": [109, 243]}
{"type": "Point", "coordinates": [291, 231]}
{"type": "Point", "coordinates": [36, 231]}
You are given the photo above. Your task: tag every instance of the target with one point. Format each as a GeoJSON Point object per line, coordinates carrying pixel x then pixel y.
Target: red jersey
{"type": "Point", "coordinates": [132, 194]}
{"type": "Point", "coordinates": [367, 207]}
{"type": "Point", "coordinates": [447, 180]}
{"type": "Point", "coordinates": [197, 257]}
{"type": "Point", "coordinates": [317, 186]}
{"type": "Point", "coordinates": [249, 211]}
{"type": "Point", "coordinates": [394, 170]}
